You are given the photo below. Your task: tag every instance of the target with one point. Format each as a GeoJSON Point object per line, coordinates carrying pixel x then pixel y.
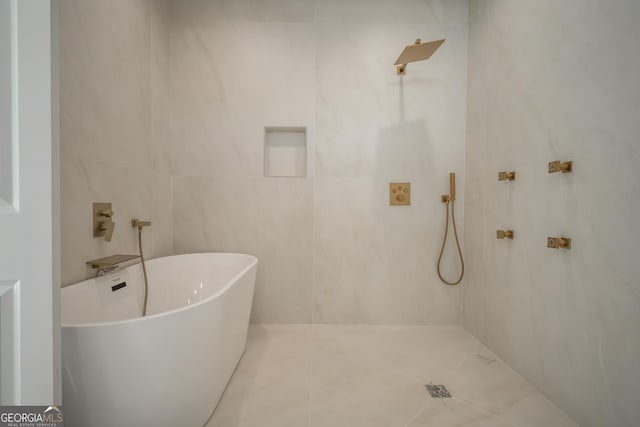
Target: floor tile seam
{"type": "Point", "coordinates": [484, 412]}
{"type": "Point", "coordinates": [517, 374]}
{"type": "Point", "coordinates": [422, 408]}
{"type": "Point", "coordinates": [382, 326]}
{"type": "Point", "coordinates": [314, 218]}
{"type": "Point", "coordinates": [311, 359]}
{"type": "Point", "coordinates": [282, 326]}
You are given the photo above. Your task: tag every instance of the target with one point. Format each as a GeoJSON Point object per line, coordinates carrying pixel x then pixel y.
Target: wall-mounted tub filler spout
{"type": "Point", "coordinates": [136, 223]}
{"type": "Point", "coordinates": [110, 263]}
{"type": "Point", "coordinates": [107, 270]}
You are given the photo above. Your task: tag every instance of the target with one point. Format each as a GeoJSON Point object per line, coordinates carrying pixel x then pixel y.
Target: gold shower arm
{"type": "Point", "coordinates": [401, 69]}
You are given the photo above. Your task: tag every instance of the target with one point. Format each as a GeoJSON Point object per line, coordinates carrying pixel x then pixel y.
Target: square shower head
{"type": "Point", "coordinates": [417, 52]}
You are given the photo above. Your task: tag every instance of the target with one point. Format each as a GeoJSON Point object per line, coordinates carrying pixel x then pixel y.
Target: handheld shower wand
{"type": "Point", "coordinates": [136, 223]}
{"type": "Point", "coordinates": [446, 199]}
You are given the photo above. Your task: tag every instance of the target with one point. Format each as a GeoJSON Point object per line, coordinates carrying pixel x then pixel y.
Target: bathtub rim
{"type": "Point", "coordinates": [234, 279]}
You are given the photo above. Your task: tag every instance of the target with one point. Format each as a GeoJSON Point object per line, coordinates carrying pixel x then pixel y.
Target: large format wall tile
{"type": "Point", "coordinates": [376, 263]}
{"type": "Point", "coordinates": [431, 13]}
{"type": "Point", "coordinates": [270, 218]}
{"type": "Point", "coordinates": [114, 127]}
{"type": "Point", "coordinates": [208, 12]}
{"type": "Point", "coordinates": [229, 81]}
{"type": "Point", "coordinates": [105, 81]}
{"type": "Point", "coordinates": [371, 122]}
{"type": "Point", "coordinates": [569, 92]}
{"type": "Point", "coordinates": [160, 99]}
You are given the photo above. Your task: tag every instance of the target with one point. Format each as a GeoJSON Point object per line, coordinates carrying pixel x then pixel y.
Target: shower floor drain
{"type": "Point", "coordinates": [438, 390]}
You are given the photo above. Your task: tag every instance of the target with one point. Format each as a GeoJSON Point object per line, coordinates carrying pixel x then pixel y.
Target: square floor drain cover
{"type": "Point", "coordinates": [437, 390]}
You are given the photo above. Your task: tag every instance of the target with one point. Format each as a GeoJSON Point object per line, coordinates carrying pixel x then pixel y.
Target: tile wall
{"type": "Point", "coordinates": [114, 106]}
{"type": "Point", "coordinates": [331, 249]}
{"type": "Point", "coordinates": [557, 81]}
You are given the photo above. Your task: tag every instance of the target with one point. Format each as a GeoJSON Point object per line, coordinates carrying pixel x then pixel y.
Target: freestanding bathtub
{"type": "Point", "coordinates": [168, 368]}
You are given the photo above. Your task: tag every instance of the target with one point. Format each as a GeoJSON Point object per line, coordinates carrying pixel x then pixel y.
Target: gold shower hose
{"type": "Point", "coordinates": [444, 241]}
{"type": "Point", "coordinates": [144, 272]}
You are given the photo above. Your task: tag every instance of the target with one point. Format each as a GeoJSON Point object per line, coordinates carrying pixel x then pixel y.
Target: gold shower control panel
{"type": "Point", "coordinates": [400, 193]}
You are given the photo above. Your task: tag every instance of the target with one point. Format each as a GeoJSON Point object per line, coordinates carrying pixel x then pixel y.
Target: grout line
{"type": "Point", "coordinates": [314, 170]}
{"type": "Point", "coordinates": [482, 411]}
{"type": "Point", "coordinates": [313, 247]}
{"type": "Point", "coordinates": [416, 415]}
{"type": "Point", "coordinates": [311, 353]}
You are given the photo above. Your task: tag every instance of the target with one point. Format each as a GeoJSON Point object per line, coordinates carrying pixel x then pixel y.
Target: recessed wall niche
{"type": "Point", "coordinates": [285, 151]}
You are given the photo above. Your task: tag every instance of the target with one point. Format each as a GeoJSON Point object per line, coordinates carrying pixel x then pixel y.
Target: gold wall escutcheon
{"type": "Point", "coordinates": [559, 243]}
{"type": "Point", "coordinates": [400, 194]}
{"type": "Point", "coordinates": [558, 166]}
{"type": "Point", "coordinates": [103, 224]}
{"type": "Point", "coordinates": [506, 176]}
{"type": "Point", "coordinates": [135, 222]}
{"type": "Point", "coordinates": [504, 234]}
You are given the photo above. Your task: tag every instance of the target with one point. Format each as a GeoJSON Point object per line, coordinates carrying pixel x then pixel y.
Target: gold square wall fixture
{"type": "Point", "coordinates": [400, 193]}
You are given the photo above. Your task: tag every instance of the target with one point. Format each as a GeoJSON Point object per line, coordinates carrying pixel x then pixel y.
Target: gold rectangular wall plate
{"type": "Point", "coordinates": [506, 176]}
{"type": "Point", "coordinates": [558, 166]}
{"type": "Point", "coordinates": [504, 234]}
{"type": "Point", "coordinates": [559, 243]}
{"type": "Point", "coordinates": [400, 194]}
{"type": "Point", "coordinates": [102, 215]}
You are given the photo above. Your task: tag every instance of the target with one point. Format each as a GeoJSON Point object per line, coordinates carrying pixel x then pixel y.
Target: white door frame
{"type": "Point", "coordinates": [29, 322]}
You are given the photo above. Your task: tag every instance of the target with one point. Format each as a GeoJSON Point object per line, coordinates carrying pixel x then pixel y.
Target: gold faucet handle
{"type": "Point", "coordinates": [109, 230]}
{"type": "Point", "coordinates": [106, 228]}
{"type": "Point", "coordinates": [108, 213]}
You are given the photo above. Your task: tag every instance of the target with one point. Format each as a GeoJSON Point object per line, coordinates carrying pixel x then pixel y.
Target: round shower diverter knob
{"type": "Point", "coordinates": [400, 197]}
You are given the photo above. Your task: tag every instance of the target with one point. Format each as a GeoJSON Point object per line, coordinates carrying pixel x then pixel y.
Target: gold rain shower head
{"type": "Point", "coordinates": [416, 52]}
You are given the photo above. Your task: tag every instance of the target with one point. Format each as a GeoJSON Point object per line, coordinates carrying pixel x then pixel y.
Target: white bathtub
{"type": "Point", "coordinates": [169, 368]}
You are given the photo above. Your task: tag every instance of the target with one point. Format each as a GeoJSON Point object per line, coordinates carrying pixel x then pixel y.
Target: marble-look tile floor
{"type": "Point", "coordinates": [369, 376]}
